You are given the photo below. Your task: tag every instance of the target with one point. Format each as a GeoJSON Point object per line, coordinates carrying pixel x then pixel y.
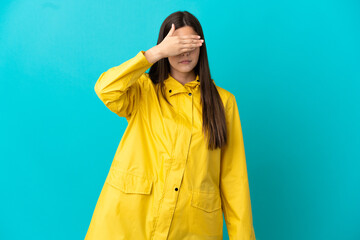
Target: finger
{"type": "Point", "coordinates": [192, 45]}
{"type": "Point", "coordinates": [172, 29]}
{"type": "Point", "coordinates": [187, 50]}
{"type": "Point", "coordinates": [191, 41]}
{"type": "Point", "coordinates": [190, 36]}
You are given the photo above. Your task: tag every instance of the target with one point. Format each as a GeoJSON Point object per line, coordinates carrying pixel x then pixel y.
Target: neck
{"type": "Point", "coordinates": [183, 77]}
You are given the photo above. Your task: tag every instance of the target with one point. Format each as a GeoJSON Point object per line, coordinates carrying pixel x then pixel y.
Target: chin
{"type": "Point", "coordinates": [185, 68]}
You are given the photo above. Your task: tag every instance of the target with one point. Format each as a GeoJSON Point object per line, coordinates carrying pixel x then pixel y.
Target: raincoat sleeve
{"type": "Point", "coordinates": [234, 185]}
{"type": "Point", "coordinates": [120, 89]}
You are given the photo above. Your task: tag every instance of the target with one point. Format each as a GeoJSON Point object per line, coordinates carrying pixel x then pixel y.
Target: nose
{"type": "Point", "coordinates": [185, 54]}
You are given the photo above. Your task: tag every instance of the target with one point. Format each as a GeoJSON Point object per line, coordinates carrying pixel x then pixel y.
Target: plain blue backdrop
{"type": "Point", "coordinates": [294, 67]}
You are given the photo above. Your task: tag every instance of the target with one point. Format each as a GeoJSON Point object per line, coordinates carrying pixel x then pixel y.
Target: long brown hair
{"type": "Point", "coordinates": [213, 113]}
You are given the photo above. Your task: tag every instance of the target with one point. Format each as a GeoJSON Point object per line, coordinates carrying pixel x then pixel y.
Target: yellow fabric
{"type": "Point", "coordinates": [164, 182]}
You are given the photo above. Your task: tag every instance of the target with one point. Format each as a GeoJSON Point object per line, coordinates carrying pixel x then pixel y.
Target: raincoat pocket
{"type": "Point", "coordinates": [128, 182]}
{"type": "Point", "coordinates": [207, 201]}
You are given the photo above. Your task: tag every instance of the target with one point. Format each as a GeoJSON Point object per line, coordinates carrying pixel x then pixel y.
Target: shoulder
{"type": "Point", "coordinates": [226, 96]}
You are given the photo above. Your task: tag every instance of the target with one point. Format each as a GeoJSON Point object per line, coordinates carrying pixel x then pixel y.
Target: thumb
{"type": "Point", "coordinates": [172, 29]}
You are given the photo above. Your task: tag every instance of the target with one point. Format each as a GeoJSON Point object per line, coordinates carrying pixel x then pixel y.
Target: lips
{"type": "Point", "coordinates": [185, 61]}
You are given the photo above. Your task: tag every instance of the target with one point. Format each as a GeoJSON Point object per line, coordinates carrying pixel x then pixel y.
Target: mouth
{"type": "Point", "coordinates": [185, 61]}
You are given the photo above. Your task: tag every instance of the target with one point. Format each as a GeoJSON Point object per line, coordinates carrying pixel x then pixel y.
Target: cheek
{"type": "Point", "coordinates": [197, 53]}
{"type": "Point", "coordinates": [173, 60]}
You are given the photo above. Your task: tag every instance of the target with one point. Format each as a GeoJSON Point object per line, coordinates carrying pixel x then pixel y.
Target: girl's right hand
{"type": "Point", "coordinates": [174, 45]}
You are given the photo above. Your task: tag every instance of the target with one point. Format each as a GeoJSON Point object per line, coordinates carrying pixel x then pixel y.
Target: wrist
{"type": "Point", "coordinates": [153, 54]}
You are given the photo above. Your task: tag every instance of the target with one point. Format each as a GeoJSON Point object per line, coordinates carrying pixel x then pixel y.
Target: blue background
{"type": "Point", "coordinates": [294, 67]}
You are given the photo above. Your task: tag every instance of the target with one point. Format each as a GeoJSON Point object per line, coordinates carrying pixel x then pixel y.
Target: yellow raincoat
{"type": "Point", "coordinates": [164, 182]}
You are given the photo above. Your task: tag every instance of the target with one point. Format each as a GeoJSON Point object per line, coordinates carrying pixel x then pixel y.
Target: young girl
{"type": "Point", "coordinates": [181, 161]}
